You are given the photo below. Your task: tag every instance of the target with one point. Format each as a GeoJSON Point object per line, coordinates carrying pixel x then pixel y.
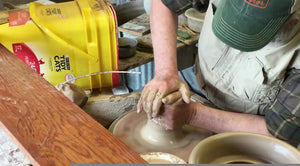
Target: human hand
{"type": "Point", "coordinates": [163, 88]}
{"type": "Point", "coordinates": [173, 116]}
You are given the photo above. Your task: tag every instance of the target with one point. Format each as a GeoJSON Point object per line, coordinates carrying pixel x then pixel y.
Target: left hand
{"type": "Point", "coordinates": [164, 88]}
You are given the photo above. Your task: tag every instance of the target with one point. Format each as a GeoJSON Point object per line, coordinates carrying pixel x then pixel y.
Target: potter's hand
{"type": "Point", "coordinates": [164, 88]}
{"type": "Point", "coordinates": [173, 116]}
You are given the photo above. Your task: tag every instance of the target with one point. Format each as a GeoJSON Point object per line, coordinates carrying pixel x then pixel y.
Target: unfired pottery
{"type": "Point", "coordinates": [143, 136]}
{"type": "Point", "coordinates": [243, 148]}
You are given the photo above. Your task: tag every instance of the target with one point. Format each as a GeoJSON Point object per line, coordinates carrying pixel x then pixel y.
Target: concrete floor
{"type": "Point", "coordinates": [10, 154]}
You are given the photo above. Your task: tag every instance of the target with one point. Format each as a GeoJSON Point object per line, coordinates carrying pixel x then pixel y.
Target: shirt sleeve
{"type": "Point", "coordinates": [283, 116]}
{"type": "Point", "coordinates": [179, 6]}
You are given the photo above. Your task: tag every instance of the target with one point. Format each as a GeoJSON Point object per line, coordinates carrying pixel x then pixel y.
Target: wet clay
{"type": "Point", "coordinates": [143, 136]}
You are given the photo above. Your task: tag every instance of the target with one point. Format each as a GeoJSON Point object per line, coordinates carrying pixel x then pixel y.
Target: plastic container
{"type": "Point", "coordinates": [66, 40]}
{"type": "Point", "coordinates": [195, 19]}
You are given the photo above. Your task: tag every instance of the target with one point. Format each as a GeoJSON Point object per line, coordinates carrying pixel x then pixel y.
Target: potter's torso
{"type": "Point", "coordinates": [245, 81]}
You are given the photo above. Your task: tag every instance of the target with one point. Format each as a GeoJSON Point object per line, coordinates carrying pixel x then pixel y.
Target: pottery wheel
{"type": "Point", "coordinates": [133, 130]}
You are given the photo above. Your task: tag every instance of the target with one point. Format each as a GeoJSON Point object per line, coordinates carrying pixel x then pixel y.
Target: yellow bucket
{"type": "Point", "coordinates": [66, 40]}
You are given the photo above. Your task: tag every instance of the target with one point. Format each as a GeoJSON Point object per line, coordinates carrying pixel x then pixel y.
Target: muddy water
{"type": "Point", "coordinates": [132, 130]}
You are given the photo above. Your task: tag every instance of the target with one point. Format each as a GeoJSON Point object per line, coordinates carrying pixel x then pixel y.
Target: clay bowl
{"type": "Point", "coordinates": [243, 148]}
{"type": "Point", "coordinates": [127, 47]}
{"type": "Point", "coordinates": [161, 158]}
{"type": "Point", "coordinates": [195, 19]}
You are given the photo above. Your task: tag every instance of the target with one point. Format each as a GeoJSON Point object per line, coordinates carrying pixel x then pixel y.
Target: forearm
{"type": "Point", "coordinates": [166, 81]}
{"type": "Point", "coordinates": [163, 24]}
{"type": "Point", "coordinates": [220, 121]}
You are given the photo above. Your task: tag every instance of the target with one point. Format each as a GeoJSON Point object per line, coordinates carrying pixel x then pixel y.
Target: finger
{"type": "Point", "coordinates": [141, 103]}
{"type": "Point", "coordinates": [185, 92]}
{"type": "Point", "coordinates": [149, 102]}
{"type": "Point", "coordinates": [157, 104]}
{"type": "Point", "coordinates": [171, 98]}
{"type": "Point", "coordinates": [139, 106]}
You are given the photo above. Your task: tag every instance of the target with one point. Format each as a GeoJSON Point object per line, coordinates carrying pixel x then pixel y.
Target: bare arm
{"type": "Point", "coordinates": [166, 80]}
{"type": "Point", "coordinates": [163, 30]}
{"type": "Point", "coordinates": [216, 120]}
{"type": "Point", "coordinates": [221, 121]}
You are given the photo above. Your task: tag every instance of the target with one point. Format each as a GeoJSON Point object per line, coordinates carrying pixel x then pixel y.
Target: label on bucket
{"type": "Point", "coordinates": [61, 63]}
{"type": "Point", "coordinates": [23, 52]}
{"type": "Point", "coordinates": [70, 77]}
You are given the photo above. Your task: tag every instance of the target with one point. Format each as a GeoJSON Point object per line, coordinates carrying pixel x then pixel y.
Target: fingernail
{"type": "Point", "coordinates": [187, 100]}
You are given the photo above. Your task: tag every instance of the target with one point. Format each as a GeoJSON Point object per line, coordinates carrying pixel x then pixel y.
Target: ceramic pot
{"type": "Point", "coordinates": [243, 148]}
{"type": "Point", "coordinates": [159, 136]}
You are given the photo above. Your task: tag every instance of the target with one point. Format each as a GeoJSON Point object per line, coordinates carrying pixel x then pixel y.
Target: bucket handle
{"type": "Point", "coordinates": [32, 7]}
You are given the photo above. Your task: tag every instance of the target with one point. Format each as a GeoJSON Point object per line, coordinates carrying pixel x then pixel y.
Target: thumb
{"type": "Point", "coordinates": [185, 92]}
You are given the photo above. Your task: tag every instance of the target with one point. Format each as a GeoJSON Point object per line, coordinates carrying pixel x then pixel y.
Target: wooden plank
{"type": "Point", "coordinates": [138, 26]}
{"type": "Point", "coordinates": [49, 128]}
{"type": "Point", "coordinates": [138, 59]}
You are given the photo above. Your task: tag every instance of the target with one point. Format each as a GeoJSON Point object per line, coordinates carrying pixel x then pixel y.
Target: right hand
{"type": "Point", "coordinates": [173, 116]}
{"type": "Point", "coordinates": [164, 88]}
